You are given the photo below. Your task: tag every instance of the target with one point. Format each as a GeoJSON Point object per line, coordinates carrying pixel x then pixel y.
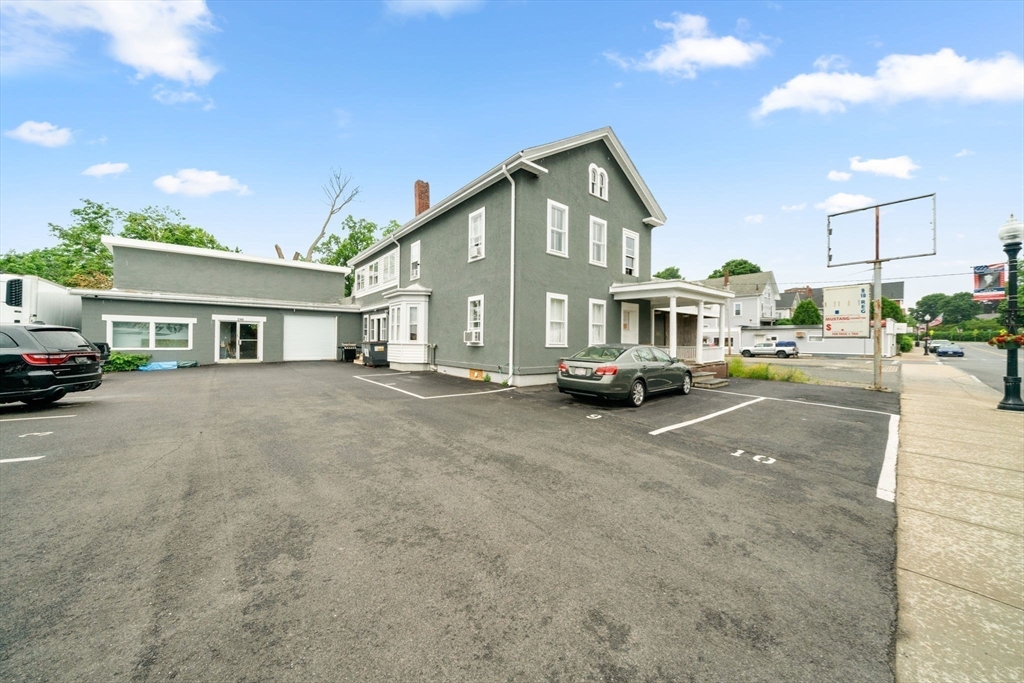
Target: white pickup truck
{"type": "Point", "coordinates": [781, 349]}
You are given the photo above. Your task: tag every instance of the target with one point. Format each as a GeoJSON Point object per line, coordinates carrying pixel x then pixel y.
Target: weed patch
{"type": "Point", "coordinates": [737, 368]}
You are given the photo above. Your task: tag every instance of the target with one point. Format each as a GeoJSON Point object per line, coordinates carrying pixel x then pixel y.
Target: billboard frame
{"type": "Point", "coordinates": [878, 257]}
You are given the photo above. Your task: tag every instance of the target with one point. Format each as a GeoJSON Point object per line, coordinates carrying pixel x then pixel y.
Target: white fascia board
{"type": "Point", "coordinates": [662, 288]}
{"type": "Point", "coordinates": [414, 290]}
{"type": "Point", "coordinates": [110, 242]}
{"type": "Point", "coordinates": [618, 151]}
{"type": "Point", "coordinates": [210, 300]}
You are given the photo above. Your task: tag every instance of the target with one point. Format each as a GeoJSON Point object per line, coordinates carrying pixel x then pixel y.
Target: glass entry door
{"type": "Point", "coordinates": [238, 340]}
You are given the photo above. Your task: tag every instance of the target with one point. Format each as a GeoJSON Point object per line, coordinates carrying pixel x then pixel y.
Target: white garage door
{"type": "Point", "coordinates": [310, 337]}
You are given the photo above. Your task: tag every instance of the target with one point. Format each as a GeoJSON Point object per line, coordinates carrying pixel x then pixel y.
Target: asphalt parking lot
{"type": "Point", "coordinates": [324, 521]}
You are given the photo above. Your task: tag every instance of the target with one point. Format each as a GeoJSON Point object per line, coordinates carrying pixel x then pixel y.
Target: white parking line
{"type": "Point", "coordinates": [793, 400]}
{"type": "Point", "coordinates": [382, 374]}
{"type": "Point", "coordinates": [45, 417]}
{"type": "Point", "coordinates": [976, 379]}
{"type": "Point", "coordinates": [429, 398]}
{"type": "Point", "coordinates": [886, 489]}
{"type": "Point", "coordinates": [706, 417]}
{"type": "Point", "coordinates": [38, 457]}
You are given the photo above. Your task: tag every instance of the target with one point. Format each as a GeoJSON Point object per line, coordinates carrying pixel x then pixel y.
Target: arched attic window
{"type": "Point", "coordinates": [598, 182]}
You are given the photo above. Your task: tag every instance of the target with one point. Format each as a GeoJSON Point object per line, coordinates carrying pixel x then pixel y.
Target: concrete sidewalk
{"type": "Point", "coordinates": [960, 533]}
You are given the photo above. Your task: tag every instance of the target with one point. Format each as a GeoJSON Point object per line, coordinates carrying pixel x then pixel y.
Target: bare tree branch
{"type": "Point", "coordinates": [337, 196]}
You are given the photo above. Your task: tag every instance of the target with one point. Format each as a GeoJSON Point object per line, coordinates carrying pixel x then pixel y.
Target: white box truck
{"type": "Point", "coordinates": [32, 299]}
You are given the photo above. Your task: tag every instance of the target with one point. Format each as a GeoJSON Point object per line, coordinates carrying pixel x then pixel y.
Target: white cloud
{"type": "Point", "coordinates": [844, 202]}
{"type": "Point", "coordinates": [101, 140]}
{"type": "Point", "coordinates": [41, 133]}
{"type": "Point", "coordinates": [831, 63]}
{"type": "Point", "coordinates": [963, 153]}
{"type": "Point", "coordinates": [342, 118]}
{"type": "Point", "coordinates": [896, 167]}
{"type": "Point", "coordinates": [166, 96]}
{"type": "Point", "coordinates": [100, 170]}
{"type": "Point", "coordinates": [195, 183]}
{"type": "Point", "coordinates": [754, 219]}
{"type": "Point", "coordinates": [692, 48]}
{"type": "Point", "coordinates": [420, 8]}
{"type": "Point", "coordinates": [839, 176]}
{"type": "Point", "coordinates": [795, 207]}
{"type": "Point", "coordinates": [154, 38]}
{"type": "Point", "coordinates": [944, 75]}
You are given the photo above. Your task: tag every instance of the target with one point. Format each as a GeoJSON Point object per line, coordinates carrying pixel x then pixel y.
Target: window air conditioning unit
{"type": "Point", "coordinates": [473, 337]}
{"type": "Point", "coordinates": [476, 251]}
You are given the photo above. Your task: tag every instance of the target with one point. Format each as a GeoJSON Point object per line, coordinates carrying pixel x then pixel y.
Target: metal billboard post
{"type": "Point", "coordinates": [876, 264]}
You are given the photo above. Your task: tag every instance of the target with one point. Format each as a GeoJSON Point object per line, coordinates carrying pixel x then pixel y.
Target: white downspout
{"type": "Point", "coordinates": [511, 277]}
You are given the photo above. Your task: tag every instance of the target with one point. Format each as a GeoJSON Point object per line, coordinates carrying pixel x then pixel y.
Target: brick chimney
{"type": "Point", "coordinates": [421, 195]}
{"type": "Point", "coordinates": [810, 294]}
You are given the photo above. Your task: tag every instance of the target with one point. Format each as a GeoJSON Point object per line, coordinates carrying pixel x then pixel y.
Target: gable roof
{"type": "Point", "coordinates": [524, 160]}
{"type": "Point", "coordinates": [890, 290]}
{"type": "Point", "coordinates": [751, 284]}
{"type": "Point", "coordinates": [788, 300]}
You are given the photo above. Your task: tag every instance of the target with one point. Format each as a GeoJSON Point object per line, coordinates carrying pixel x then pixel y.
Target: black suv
{"type": "Point", "coordinates": [41, 363]}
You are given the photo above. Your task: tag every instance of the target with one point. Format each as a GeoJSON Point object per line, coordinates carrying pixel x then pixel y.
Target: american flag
{"type": "Point", "coordinates": [936, 322]}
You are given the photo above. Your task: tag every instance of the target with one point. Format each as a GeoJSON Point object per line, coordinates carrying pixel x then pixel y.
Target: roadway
{"type": "Point", "coordinates": [985, 363]}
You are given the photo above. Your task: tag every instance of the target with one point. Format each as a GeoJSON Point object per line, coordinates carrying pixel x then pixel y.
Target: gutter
{"type": "Point", "coordinates": [512, 276]}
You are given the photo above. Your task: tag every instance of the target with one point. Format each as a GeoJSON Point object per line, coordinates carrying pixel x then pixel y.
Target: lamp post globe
{"type": "Point", "coordinates": [1010, 234]}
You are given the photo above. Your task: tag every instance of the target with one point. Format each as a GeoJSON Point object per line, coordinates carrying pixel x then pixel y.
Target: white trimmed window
{"type": "Point", "coordinates": [737, 308]}
{"type": "Point", "coordinates": [630, 252]}
{"type": "Point", "coordinates": [558, 229]}
{"type": "Point", "coordinates": [366, 328]}
{"type": "Point", "coordinates": [395, 320]}
{"type": "Point", "coordinates": [557, 319]}
{"type": "Point", "coordinates": [414, 261]}
{"type": "Point", "coordinates": [372, 272]}
{"type": "Point", "coordinates": [598, 242]}
{"type": "Point", "coordinates": [598, 182]}
{"type": "Point", "coordinates": [597, 321]}
{"type": "Point", "coordinates": [144, 333]}
{"type": "Point", "coordinates": [378, 274]}
{"type": "Point", "coordinates": [475, 321]}
{"type": "Point", "coordinates": [414, 322]}
{"type": "Point", "coordinates": [360, 279]}
{"type": "Point", "coordinates": [477, 228]}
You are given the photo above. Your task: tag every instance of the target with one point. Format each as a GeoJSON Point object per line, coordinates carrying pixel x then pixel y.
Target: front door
{"type": "Point", "coordinates": [239, 340]}
{"type": "Point", "coordinates": [630, 324]}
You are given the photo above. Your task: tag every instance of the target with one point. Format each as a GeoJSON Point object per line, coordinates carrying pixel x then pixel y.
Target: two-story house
{"type": "Point", "coordinates": [756, 295]}
{"type": "Point", "coordinates": [544, 254]}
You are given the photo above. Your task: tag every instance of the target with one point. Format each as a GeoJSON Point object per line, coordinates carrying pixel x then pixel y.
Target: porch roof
{"type": "Point", "coordinates": [658, 292]}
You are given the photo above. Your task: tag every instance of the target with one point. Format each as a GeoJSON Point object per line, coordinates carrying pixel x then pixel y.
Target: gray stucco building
{"type": "Point", "coordinates": [188, 304]}
{"type": "Point", "coordinates": [542, 255]}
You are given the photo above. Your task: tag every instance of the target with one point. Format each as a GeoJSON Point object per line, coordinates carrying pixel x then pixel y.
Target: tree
{"type": "Point", "coordinates": [960, 307]}
{"type": "Point", "coordinates": [739, 266]}
{"type": "Point", "coordinates": [169, 226]}
{"type": "Point", "coordinates": [929, 305]}
{"type": "Point", "coordinates": [79, 258]}
{"type": "Point", "coordinates": [670, 273]}
{"type": "Point", "coordinates": [890, 309]}
{"type": "Point", "coordinates": [337, 196]}
{"type": "Point", "coordinates": [806, 313]}
{"type": "Point", "coordinates": [362, 234]}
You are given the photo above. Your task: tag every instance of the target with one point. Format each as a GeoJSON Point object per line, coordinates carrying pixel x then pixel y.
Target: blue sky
{"type": "Point", "coordinates": [736, 114]}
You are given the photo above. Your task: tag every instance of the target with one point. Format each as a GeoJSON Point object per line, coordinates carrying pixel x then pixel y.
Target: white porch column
{"type": "Point", "coordinates": [672, 326]}
{"type": "Point", "coordinates": [721, 327]}
{"type": "Point", "coordinates": [700, 332]}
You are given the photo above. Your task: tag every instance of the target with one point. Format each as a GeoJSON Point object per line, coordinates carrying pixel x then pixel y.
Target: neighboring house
{"type": "Point", "coordinates": [188, 304]}
{"type": "Point", "coordinates": [786, 304]}
{"type": "Point", "coordinates": [755, 304]}
{"type": "Point", "coordinates": [542, 255]}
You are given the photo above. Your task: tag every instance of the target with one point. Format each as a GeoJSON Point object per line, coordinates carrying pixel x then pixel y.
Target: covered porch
{"type": "Point", "coordinates": [678, 310]}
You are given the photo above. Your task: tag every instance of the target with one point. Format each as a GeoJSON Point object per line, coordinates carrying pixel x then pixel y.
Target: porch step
{"type": "Point", "coordinates": [707, 380]}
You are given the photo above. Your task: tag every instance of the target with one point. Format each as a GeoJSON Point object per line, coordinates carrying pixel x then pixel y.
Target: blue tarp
{"type": "Point", "coordinates": [161, 365]}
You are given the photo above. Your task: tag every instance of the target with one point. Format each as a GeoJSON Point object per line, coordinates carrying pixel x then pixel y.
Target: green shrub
{"type": "Point", "coordinates": [906, 343]}
{"type": "Point", "coordinates": [125, 362]}
{"type": "Point", "coordinates": [487, 378]}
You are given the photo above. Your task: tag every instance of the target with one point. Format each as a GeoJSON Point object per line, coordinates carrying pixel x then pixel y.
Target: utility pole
{"type": "Point", "coordinates": [877, 296]}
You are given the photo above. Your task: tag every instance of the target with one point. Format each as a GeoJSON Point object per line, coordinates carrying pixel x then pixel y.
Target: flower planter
{"type": "Point", "coordinates": [1009, 345]}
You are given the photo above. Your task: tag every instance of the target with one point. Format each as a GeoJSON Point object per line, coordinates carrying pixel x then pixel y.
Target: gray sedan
{"type": "Point", "coordinates": [622, 372]}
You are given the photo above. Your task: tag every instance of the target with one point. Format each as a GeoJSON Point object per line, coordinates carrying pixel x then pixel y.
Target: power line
{"type": "Point", "coordinates": [899, 279]}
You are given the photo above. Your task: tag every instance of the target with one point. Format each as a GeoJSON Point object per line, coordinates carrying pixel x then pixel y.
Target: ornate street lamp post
{"type": "Point", "coordinates": [927, 333]}
{"type": "Point", "coordinates": [1011, 235]}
